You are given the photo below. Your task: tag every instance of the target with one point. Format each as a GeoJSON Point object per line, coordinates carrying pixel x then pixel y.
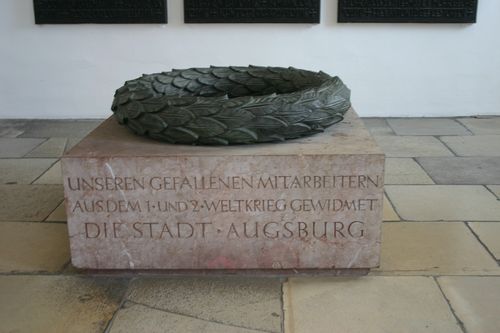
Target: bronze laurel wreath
{"type": "Point", "coordinates": [231, 105]}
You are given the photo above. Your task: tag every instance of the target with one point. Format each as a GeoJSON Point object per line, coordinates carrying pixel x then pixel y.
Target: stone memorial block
{"type": "Point", "coordinates": [100, 11]}
{"type": "Point", "coordinates": [252, 11]}
{"type": "Point", "coordinates": [414, 11]}
{"type": "Point", "coordinates": [310, 203]}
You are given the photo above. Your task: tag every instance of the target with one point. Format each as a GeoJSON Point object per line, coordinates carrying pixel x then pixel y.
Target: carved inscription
{"type": "Point", "coordinates": [100, 11]}
{"type": "Point", "coordinates": [408, 11]}
{"type": "Point", "coordinates": [181, 203]}
{"type": "Point", "coordinates": [321, 230]}
{"type": "Point", "coordinates": [252, 11]}
{"type": "Point", "coordinates": [225, 212]}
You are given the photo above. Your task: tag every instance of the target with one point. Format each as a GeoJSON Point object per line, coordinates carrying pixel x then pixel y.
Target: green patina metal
{"type": "Point", "coordinates": [231, 105]}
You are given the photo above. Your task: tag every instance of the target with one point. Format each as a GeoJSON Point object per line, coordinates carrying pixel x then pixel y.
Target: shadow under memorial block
{"type": "Point", "coordinates": [311, 204]}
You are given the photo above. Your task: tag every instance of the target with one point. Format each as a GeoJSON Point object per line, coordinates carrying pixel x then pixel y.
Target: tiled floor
{"type": "Point", "coordinates": [440, 250]}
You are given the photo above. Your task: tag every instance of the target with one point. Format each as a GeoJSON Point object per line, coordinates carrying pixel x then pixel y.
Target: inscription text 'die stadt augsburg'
{"type": "Point", "coordinates": [100, 11]}
{"type": "Point", "coordinates": [179, 200]}
{"type": "Point", "coordinates": [408, 11]}
{"type": "Point", "coordinates": [252, 11]}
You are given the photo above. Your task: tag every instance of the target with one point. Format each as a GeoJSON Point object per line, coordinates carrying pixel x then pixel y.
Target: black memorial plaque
{"type": "Point", "coordinates": [408, 11]}
{"type": "Point", "coordinates": [100, 11]}
{"type": "Point", "coordinates": [252, 11]}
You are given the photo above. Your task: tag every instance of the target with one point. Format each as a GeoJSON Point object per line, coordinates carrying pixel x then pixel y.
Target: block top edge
{"type": "Point", "coordinates": [349, 137]}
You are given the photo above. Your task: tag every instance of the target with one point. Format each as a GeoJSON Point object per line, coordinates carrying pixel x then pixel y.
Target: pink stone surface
{"type": "Point", "coordinates": [133, 203]}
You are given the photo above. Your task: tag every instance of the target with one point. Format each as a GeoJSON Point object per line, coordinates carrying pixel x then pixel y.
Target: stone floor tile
{"type": "Point", "coordinates": [33, 247]}
{"type": "Point", "coordinates": [427, 126]}
{"type": "Point", "coordinates": [489, 234]}
{"type": "Point", "coordinates": [59, 128]}
{"type": "Point", "coordinates": [16, 147]}
{"type": "Point", "coordinates": [412, 146]}
{"type": "Point", "coordinates": [389, 212]}
{"type": "Point", "coordinates": [483, 125]}
{"type": "Point", "coordinates": [444, 202]}
{"type": "Point", "coordinates": [367, 304]}
{"type": "Point", "coordinates": [495, 189]}
{"type": "Point", "coordinates": [462, 170]}
{"type": "Point", "coordinates": [378, 126]}
{"type": "Point", "coordinates": [11, 128]}
{"type": "Point", "coordinates": [405, 171]}
{"type": "Point", "coordinates": [72, 142]}
{"type": "Point", "coordinates": [433, 248]}
{"type": "Point", "coordinates": [58, 215]}
{"type": "Point", "coordinates": [58, 304]}
{"type": "Point", "coordinates": [139, 318]}
{"type": "Point", "coordinates": [9, 132]}
{"type": "Point", "coordinates": [29, 202]}
{"type": "Point", "coordinates": [53, 147]}
{"type": "Point", "coordinates": [51, 176]}
{"type": "Point", "coordinates": [222, 300]}
{"type": "Point", "coordinates": [23, 170]}
{"type": "Point", "coordinates": [475, 300]}
{"type": "Point", "coordinates": [478, 145]}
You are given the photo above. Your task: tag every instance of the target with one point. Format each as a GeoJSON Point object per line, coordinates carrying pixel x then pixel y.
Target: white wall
{"type": "Point", "coordinates": [71, 71]}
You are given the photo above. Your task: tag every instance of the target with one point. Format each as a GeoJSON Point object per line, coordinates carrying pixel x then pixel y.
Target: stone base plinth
{"type": "Point", "coordinates": [308, 204]}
